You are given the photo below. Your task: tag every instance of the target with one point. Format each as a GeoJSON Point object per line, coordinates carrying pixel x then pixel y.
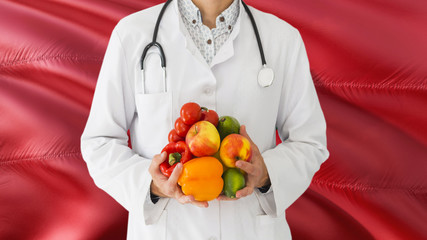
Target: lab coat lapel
{"type": "Point", "coordinates": [191, 46]}
{"type": "Point", "coordinates": [227, 50]}
{"type": "Point", "coordinates": [189, 43]}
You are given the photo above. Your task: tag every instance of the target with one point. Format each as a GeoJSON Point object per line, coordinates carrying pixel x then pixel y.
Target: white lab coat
{"type": "Point", "coordinates": [229, 85]}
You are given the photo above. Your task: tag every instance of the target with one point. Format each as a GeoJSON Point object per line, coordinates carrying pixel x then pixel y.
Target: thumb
{"type": "Point", "coordinates": [159, 158]}
{"type": "Point", "coordinates": [245, 134]}
{"type": "Point", "coordinates": [175, 174]}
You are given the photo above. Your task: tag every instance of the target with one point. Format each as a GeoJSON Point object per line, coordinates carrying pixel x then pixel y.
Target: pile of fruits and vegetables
{"type": "Point", "coordinates": [208, 147]}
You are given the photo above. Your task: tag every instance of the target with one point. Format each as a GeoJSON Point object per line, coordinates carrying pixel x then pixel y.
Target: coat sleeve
{"type": "Point", "coordinates": [300, 122]}
{"type": "Point", "coordinates": [115, 167]}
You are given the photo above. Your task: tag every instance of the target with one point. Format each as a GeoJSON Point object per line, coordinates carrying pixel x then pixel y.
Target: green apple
{"type": "Point", "coordinates": [228, 125]}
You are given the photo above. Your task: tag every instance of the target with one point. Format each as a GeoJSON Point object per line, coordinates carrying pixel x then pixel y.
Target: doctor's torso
{"type": "Point", "coordinates": [229, 86]}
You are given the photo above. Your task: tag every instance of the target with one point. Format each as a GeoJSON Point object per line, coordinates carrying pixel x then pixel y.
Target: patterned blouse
{"type": "Point", "coordinates": [208, 41]}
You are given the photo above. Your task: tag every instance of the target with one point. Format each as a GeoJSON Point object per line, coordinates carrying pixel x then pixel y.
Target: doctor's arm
{"type": "Point", "coordinates": [115, 167]}
{"type": "Point", "coordinates": [301, 124]}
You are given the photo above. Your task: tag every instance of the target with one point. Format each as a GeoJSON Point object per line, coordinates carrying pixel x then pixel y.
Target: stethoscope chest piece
{"type": "Point", "coordinates": [265, 76]}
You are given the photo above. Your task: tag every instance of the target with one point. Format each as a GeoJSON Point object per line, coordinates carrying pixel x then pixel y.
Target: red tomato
{"type": "Point", "coordinates": [190, 113]}
{"type": "Point", "coordinates": [173, 136]}
{"type": "Point", "coordinates": [210, 115]}
{"type": "Point", "coordinates": [181, 128]}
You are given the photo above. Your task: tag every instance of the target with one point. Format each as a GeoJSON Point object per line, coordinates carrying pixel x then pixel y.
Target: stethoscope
{"type": "Point", "coordinates": [265, 74]}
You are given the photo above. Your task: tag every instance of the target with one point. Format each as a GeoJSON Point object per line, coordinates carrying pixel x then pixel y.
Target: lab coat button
{"type": "Point", "coordinates": [208, 91]}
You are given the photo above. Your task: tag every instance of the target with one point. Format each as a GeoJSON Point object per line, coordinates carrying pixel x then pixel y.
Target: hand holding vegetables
{"type": "Point", "coordinates": [163, 186]}
{"type": "Point", "coordinates": [176, 152]}
{"type": "Point", "coordinates": [257, 174]}
{"type": "Point", "coordinates": [200, 133]}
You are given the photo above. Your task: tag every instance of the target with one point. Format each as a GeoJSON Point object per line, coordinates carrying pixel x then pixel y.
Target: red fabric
{"type": "Point", "coordinates": [368, 63]}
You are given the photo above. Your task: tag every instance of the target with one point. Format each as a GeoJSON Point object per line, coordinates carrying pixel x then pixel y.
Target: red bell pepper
{"type": "Point", "coordinates": [176, 152]}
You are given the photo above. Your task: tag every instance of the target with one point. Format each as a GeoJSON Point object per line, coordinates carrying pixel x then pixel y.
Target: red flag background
{"type": "Point", "coordinates": [368, 61]}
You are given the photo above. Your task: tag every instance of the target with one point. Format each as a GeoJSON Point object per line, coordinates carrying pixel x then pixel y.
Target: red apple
{"type": "Point", "coordinates": [203, 139]}
{"type": "Point", "coordinates": [235, 147]}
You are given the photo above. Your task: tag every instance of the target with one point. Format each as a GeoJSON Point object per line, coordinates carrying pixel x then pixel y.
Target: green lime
{"type": "Point", "coordinates": [228, 125]}
{"type": "Point", "coordinates": [233, 182]}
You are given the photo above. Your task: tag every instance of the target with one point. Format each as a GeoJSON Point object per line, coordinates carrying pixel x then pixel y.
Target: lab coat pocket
{"type": "Point", "coordinates": [265, 226]}
{"type": "Point", "coordinates": [272, 228]}
{"type": "Point", "coordinates": [154, 116]}
{"type": "Point", "coordinates": [153, 78]}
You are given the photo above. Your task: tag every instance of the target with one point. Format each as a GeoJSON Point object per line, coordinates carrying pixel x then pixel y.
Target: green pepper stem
{"type": "Point", "coordinates": [174, 158]}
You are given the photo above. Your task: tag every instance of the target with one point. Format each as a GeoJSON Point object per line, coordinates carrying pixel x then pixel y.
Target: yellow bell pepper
{"type": "Point", "coordinates": [201, 177]}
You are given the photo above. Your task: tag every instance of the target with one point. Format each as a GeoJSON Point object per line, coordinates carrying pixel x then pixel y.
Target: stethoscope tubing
{"type": "Point", "coordinates": [154, 43]}
{"type": "Point", "coordinates": [258, 39]}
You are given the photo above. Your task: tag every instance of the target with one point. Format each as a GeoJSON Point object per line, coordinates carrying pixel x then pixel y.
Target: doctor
{"type": "Point", "coordinates": [212, 57]}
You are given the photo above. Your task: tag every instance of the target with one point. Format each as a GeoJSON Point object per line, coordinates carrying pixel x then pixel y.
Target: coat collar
{"type": "Point", "coordinates": [226, 51]}
{"type": "Point", "coordinates": [224, 22]}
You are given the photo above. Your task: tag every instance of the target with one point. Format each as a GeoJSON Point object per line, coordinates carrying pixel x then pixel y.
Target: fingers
{"type": "Point", "coordinates": [154, 168]}
{"type": "Point", "coordinates": [190, 199]}
{"type": "Point", "coordinates": [179, 196]}
{"type": "Point", "coordinates": [170, 187]}
{"type": "Point", "coordinates": [225, 198]}
{"type": "Point", "coordinates": [252, 168]}
{"type": "Point", "coordinates": [156, 161]}
{"type": "Point", "coordinates": [183, 199]}
{"type": "Point", "coordinates": [200, 204]}
{"type": "Point", "coordinates": [248, 190]}
{"type": "Point", "coordinates": [248, 167]}
{"type": "Point", "coordinates": [173, 179]}
{"type": "Point", "coordinates": [255, 150]}
{"type": "Point", "coordinates": [159, 158]}
{"type": "Point", "coordinates": [245, 134]}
